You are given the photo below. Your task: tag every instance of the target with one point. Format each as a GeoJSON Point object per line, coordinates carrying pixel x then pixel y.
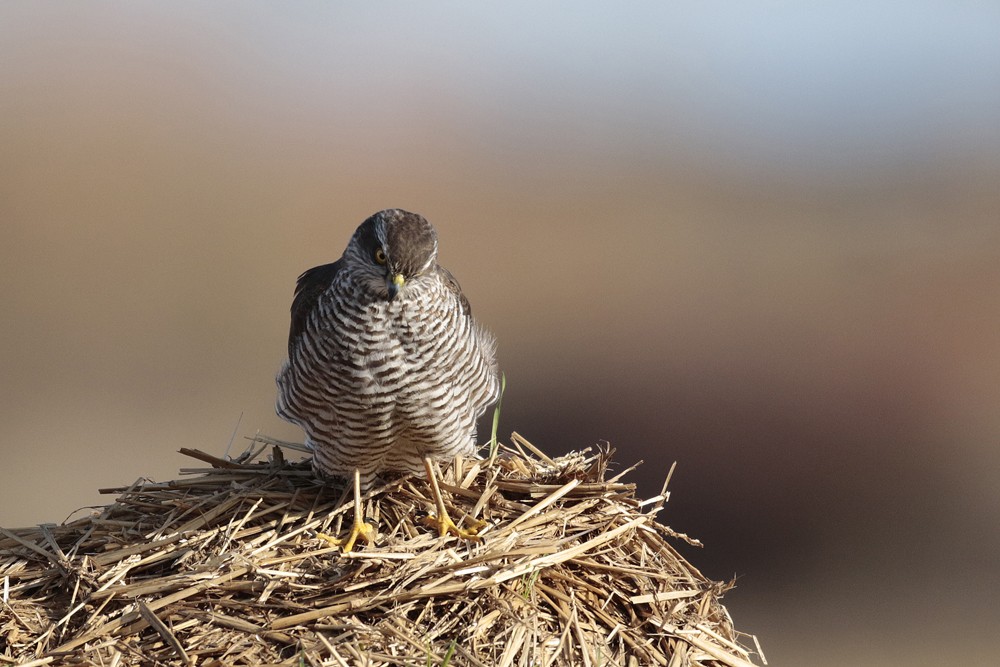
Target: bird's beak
{"type": "Point", "coordinates": [395, 285]}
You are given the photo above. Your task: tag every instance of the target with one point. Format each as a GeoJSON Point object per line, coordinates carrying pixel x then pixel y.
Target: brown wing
{"type": "Point", "coordinates": [452, 284]}
{"type": "Point", "coordinates": [310, 285]}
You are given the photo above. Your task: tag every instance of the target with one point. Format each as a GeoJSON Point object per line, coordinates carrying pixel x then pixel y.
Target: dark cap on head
{"type": "Point", "coordinates": [410, 242]}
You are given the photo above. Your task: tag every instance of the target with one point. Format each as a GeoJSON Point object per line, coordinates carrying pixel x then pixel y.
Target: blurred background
{"type": "Point", "coordinates": [760, 240]}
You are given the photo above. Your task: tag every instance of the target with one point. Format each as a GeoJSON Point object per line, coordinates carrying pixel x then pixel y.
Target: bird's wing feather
{"type": "Point", "coordinates": [310, 285]}
{"type": "Point", "coordinates": [452, 284]}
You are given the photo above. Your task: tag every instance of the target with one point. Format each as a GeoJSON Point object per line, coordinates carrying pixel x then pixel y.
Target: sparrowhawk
{"type": "Point", "coordinates": [387, 370]}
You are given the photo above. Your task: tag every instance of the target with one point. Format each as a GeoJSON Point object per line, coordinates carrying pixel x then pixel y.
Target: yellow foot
{"type": "Point", "coordinates": [360, 528]}
{"type": "Point", "coordinates": [363, 530]}
{"type": "Point", "coordinates": [446, 526]}
{"type": "Point", "coordinates": [441, 519]}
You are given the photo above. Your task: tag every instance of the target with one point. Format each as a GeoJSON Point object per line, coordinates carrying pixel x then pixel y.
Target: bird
{"type": "Point", "coordinates": [387, 370]}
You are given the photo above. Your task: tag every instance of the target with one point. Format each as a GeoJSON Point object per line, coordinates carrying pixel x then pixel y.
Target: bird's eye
{"type": "Point", "coordinates": [379, 256]}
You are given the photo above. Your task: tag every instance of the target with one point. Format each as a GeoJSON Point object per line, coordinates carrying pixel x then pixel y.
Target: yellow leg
{"type": "Point", "coordinates": [360, 528]}
{"type": "Point", "coordinates": [442, 521]}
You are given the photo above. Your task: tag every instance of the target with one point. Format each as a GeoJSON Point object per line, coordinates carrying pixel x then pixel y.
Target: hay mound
{"type": "Point", "coordinates": [223, 567]}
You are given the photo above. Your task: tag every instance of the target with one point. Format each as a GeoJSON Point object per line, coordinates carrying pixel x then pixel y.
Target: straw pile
{"type": "Point", "coordinates": [224, 567]}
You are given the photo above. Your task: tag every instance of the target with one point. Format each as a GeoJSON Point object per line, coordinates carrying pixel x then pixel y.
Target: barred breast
{"type": "Point", "coordinates": [380, 384]}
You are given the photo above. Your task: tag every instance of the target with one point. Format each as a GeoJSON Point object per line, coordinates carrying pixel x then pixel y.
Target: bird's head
{"type": "Point", "coordinates": [392, 248]}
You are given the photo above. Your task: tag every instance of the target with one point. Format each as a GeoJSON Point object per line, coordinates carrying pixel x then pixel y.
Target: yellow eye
{"type": "Point", "coordinates": [379, 255]}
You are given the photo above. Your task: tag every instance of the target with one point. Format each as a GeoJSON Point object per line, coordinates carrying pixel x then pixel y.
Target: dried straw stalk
{"type": "Point", "coordinates": [224, 567]}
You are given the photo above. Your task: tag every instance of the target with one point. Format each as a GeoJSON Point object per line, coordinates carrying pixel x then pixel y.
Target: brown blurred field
{"type": "Point", "coordinates": [805, 317]}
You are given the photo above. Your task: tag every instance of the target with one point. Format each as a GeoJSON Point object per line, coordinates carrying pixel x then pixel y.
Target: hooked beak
{"type": "Point", "coordinates": [395, 283]}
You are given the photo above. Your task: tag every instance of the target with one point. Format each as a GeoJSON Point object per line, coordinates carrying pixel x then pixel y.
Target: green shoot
{"type": "Point", "coordinates": [494, 443]}
{"type": "Point", "coordinates": [449, 653]}
{"type": "Point", "coordinates": [528, 584]}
